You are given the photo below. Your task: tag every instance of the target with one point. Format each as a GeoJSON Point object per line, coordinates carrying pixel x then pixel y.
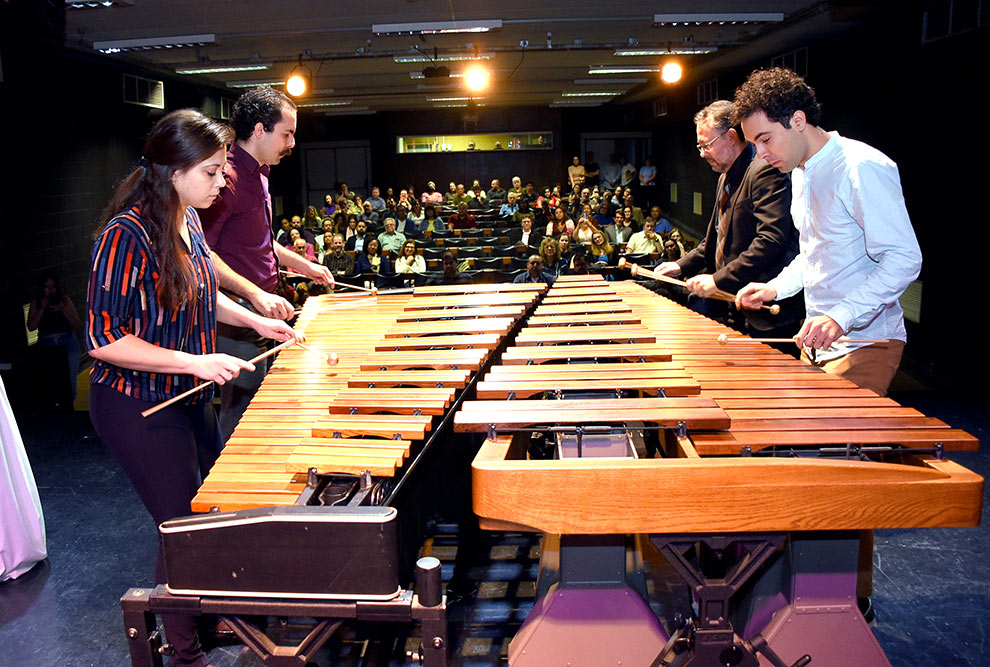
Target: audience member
{"type": "Point", "coordinates": [303, 249]}
{"type": "Point", "coordinates": [431, 196]}
{"type": "Point", "coordinates": [560, 223]}
{"type": "Point", "coordinates": [646, 241]}
{"type": "Point", "coordinates": [662, 226]}
{"type": "Point", "coordinates": [671, 251]}
{"type": "Point", "coordinates": [312, 221]}
{"type": "Point", "coordinates": [340, 262]}
{"type": "Point", "coordinates": [451, 274]}
{"type": "Point", "coordinates": [602, 251]}
{"type": "Point", "coordinates": [619, 232]}
{"type": "Point", "coordinates": [612, 173]}
{"type": "Point", "coordinates": [462, 219]}
{"type": "Point", "coordinates": [627, 172]}
{"type": "Point", "coordinates": [430, 222]}
{"type": "Point", "coordinates": [409, 261]}
{"type": "Point", "coordinates": [391, 240]}
{"type": "Point", "coordinates": [575, 172]}
{"type": "Point", "coordinates": [360, 238]}
{"type": "Point", "coordinates": [592, 173]}
{"type": "Point", "coordinates": [377, 203]}
{"type": "Point", "coordinates": [497, 195]}
{"type": "Point", "coordinates": [525, 234]}
{"type": "Point", "coordinates": [509, 208]}
{"type": "Point", "coordinates": [55, 317]}
{"type": "Point", "coordinates": [374, 260]}
{"type": "Point", "coordinates": [534, 272]}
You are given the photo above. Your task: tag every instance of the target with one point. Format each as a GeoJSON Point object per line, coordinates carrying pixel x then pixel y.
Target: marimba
{"type": "Point", "coordinates": [313, 508]}
{"type": "Point", "coordinates": [760, 450]}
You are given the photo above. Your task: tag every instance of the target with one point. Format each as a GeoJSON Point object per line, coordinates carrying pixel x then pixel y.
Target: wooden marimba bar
{"type": "Point", "coordinates": [402, 362]}
{"type": "Point", "coordinates": [714, 484]}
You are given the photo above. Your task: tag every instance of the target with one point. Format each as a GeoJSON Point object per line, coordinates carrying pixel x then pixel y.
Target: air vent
{"type": "Point", "coordinates": [660, 107]}
{"type": "Point", "coordinates": [796, 61]}
{"type": "Point", "coordinates": [707, 92]}
{"type": "Point", "coordinates": [144, 92]}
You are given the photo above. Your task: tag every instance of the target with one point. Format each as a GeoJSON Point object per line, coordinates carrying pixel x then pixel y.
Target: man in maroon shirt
{"type": "Point", "coordinates": [462, 219]}
{"type": "Point", "coordinates": [238, 229]}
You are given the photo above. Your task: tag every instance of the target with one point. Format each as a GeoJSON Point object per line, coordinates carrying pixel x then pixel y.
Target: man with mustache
{"type": "Point", "coordinates": [238, 229]}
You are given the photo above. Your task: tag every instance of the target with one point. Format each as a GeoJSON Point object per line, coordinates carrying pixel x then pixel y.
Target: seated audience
{"type": "Point", "coordinates": [375, 200]}
{"type": "Point", "coordinates": [646, 241]}
{"type": "Point", "coordinates": [374, 260]}
{"type": "Point", "coordinates": [663, 226]}
{"type": "Point", "coordinates": [618, 233]}
{"type": "Point", "coordinates": [451, 274]}
{"type": "Point", "coordinates": [604, 216]}
{"type": "Point", "coordinates": [415, 214]}
{"type": "Point", "coordinates": [302, 248]}
{"type": "Point", "coordinates": [403, 223]}
{"type": "Point", "coordinates": [312, 221]}
{"type": "Point", "coordinates": [560, 224]}
{"type": "Point", "coordinates": [430, 195]}
{"type": "Point", "coordinates": [409, 261]}
{"type": "Point", "coordinates": [509, 208]}
{"type": "Point", "coordinates": [671, 253]}
{"type": "Point", "coordinates": [534, 272]}
{"type": "Point", "coordinates": [360, 238]}
{"type": "Point", "coordinates": [525, 234]}
{"type": "Point", "coordinates": [370, 216]}
{"type": "Point", "coordinates": [462, 219]}
{"type": "Point", "coordinates": [497, 195]}
{"type": "Point", "coordinates": [431, 222]}
{"type": "Point", "coordinates": [601, 250]}
{"type": "Point", "coordinates": [391, 240]}
{"type": "Point", "coordinates": [584, 230]}
{"type": "Point", "coordinates": [340, 262]}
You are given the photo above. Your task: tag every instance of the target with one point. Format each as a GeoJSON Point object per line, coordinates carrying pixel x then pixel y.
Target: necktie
{"type": "Point", "coordinates": [723, 223]}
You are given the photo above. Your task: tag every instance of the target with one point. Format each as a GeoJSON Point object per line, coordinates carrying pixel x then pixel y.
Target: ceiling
{"type": "Point", "coordinates": [540, 56]}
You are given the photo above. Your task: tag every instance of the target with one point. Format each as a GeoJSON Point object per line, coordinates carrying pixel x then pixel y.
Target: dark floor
{"type": "Point", "coordinates": [931, 596]}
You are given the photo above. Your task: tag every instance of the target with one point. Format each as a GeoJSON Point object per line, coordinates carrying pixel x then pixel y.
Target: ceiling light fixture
{"type": "Point", "coordinates": [436, 27]}
{"type": "Point", "coordinates": [215, 69]}
{"type": "Point", "coordinates": [677, 50]}
{"type": "Point", "coordinates": [326, 103]}
{"type": "Point", "coordinates": [153, 43]}
{"type": "Point", "coordinates": [441, 58]}
{"type": "Point", "coordinates": [671, 72]}
{"type": "Point", "coordinates": [477, 77]}
{"type": "Point", "coordinates": [623, 69]}
{"type": "Point", "coordinates": [594, 93]}
{"type": "Point", "coordinates": [251, 83]}
{"type": "Point", "coordinates": [718, 18]}
{"type": "Point", "coordinates": [299, 78]}
{"type": "Point", "coordinates": [608, 82]}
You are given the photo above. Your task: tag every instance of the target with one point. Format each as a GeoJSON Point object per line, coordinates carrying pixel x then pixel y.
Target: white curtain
{"type": "Point", "coordinates": [22, 525]}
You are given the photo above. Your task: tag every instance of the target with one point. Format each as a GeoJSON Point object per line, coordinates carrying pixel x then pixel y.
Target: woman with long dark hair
{"type": "Point", "coordinates": [153, 309]}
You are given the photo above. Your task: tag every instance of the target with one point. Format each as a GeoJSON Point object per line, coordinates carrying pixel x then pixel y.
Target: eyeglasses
{"type": "Point", "coordinates": [702, 148]}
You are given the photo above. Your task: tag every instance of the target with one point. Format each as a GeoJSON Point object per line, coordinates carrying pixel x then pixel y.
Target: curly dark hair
{"type": "Point", "coordinates": [778, 93]}
{"type": "Point", "coordinates": [258, 105]}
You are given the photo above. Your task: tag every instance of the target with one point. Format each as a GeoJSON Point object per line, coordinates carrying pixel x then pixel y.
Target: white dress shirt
{"type": "Point", "coordinates": [858, 248]}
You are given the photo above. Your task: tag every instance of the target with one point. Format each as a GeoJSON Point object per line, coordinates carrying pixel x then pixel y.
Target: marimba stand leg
{"type": "Point", "coordinates": [591, 616]}
{"type": "Point", "coordinates": [427, 606]}
{"type": "Point", "coordinates": [711, 639]}
{"type": "Point", "coordinates": [805, 603]}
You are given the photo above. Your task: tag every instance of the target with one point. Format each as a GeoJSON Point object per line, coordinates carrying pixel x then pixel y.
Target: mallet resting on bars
{"type": "Point", "coordinates": [724, 339]}
{"type": "Point", "coordinates": [721, 295]}
{"type": "Point", "coordinates": [332, 360]}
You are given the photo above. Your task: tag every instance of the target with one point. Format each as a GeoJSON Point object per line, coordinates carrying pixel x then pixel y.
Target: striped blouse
{"type": "Point", "coordinates": [122, 300]}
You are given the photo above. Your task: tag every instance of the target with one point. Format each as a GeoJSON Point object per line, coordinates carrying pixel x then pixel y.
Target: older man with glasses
{"type": "Point", "coordinates": [751, 236]}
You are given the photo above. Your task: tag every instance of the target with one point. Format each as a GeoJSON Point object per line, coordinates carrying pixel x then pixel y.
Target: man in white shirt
{"type": "Point", "coordinates": [858, 248]}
